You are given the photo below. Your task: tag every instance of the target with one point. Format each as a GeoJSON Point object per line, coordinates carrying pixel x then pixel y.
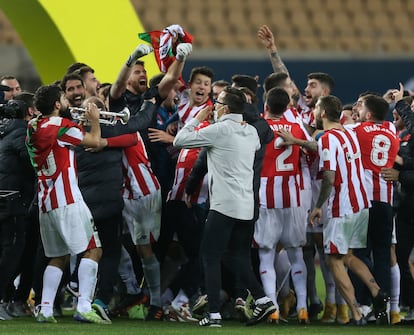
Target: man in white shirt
{"type": "Point", "coordinates": [231, 145]}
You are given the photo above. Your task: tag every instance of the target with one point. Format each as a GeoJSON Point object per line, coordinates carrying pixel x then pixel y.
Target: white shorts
{"type": "Point", "coordinates": [347, 232]}
{"type": "Point", "coordinates": [284, 225]}
{"type": "Point", "coordinates": [143, 218]}
{"type": "Point", "coordinates": [68, 230]}
{"type": "Point", "coordinates": [317, 228]}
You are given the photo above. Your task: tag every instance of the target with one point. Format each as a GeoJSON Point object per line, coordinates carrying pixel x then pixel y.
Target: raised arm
{"type": "Point", "coordinates": [175, 70]}
{"type": "Point", "coordinates": [265, 35]}
{"type": "Point", "coordinates": [120, 84]}
{"type": "Point", "coordinates": [403, 109]}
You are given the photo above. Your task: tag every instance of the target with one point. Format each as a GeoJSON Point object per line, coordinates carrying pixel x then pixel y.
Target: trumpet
{"type": "Point", "coordinates": [109, 118]}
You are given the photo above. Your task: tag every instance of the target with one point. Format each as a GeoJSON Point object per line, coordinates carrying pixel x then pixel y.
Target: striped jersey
{"type": "Point", "coordinates": [185, 163]}
{"type": "Point", "coordinates": [279, 182]}
{"type": "Point", "coordinates": [187, 112]}
{"type": "Point", "coordinates": [50, 142]}
{"type": "Point", "coordinates": [379, 147]}
{"type": "Point", "coordinates": [339, 151]}
{"type": "Point", "coordinates": [139, 179]}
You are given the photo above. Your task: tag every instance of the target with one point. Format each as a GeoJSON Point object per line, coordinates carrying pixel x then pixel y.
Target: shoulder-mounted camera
{"type": "Point", "coordinates": [13, 109]}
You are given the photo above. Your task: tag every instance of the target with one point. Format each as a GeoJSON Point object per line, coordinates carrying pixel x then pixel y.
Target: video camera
{"type": "Point", "coordinates": [13, 109]}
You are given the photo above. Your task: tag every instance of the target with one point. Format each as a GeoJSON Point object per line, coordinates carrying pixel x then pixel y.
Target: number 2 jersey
{"type": "Point", "coordinates": [49, 141]}
{"type": "Point", "coordinates": [379, 147]}
{"type": "Point", "coordinates": [279, 187]}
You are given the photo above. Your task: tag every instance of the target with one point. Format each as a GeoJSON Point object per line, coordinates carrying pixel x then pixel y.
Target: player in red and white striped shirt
{"type": "Point", "coordinates": [343, 186]}
{"type": "Point", "coordinates": [66, 224]}
{"type": "Point", "coordinates": [281, 219]}
{"type": "Point", "coordinates": [301, 109]}
{"type": "Point", "coordinates": [198, 95]}
{"type": "Point", "coordinates": [379, 148]}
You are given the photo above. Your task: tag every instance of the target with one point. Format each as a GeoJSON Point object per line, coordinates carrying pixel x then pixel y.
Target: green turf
{"type": "Point", "coordinates": [124, 326]}
{"type": "Point", "coordinates": [67, 326]}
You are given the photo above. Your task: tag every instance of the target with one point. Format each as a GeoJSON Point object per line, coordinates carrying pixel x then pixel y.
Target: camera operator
{"type": "Point", "coordinates": [16, 174]}
{"type": "Point", "coordinates": [5, 94]}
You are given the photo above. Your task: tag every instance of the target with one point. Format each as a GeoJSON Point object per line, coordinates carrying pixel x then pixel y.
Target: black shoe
{"type": "Point", "coordinates": [260, 312]}
{"type": "Point", "coordinates": [207, 322]}
{"type": "Point", "coordinates": [155, 313]}
{"type": "Point", "coordinates": [382, 319]}
{"type": "Point", "coordinates": [314, 310]}
{"type": "Point", "coordinates": [379, 304]}
{"type": "Point", "coordinates": [361, 322]}
{"type": "Point", "coordinates": [73, 291]}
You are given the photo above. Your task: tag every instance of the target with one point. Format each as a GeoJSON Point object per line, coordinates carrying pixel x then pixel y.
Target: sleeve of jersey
{"type": "Point", "coordinates": [326, 153]}
{"type": "Point", "coordinates": [122, 141]}
{"type": "Point", "coordinates": [69, 133]}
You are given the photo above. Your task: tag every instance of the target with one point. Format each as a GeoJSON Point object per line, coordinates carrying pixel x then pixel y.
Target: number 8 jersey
{"type": "Point", "coordinates": [379, 147]}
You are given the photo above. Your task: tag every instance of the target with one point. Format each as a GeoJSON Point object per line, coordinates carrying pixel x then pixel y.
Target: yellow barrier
{"type": "Point", "coordinates": [57, 33]}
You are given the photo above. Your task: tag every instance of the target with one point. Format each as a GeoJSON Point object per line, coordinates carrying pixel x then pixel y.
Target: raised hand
{"type": "Point", "coordinates": [183, 50]}
{"type": "Point", "coordinates": [141, 50]}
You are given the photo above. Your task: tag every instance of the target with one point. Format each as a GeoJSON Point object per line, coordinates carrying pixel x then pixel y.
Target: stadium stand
{"type": "Point", "coordinates": [352, 26]}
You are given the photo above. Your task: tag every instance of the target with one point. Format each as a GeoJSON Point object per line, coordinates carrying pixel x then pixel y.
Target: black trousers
{"type": "Point", "coordinates": [404, 223]}
{"type": "Point", "coordinates": [376, 255]}
{"type": "Point", "coordinates": [12, 242]}
{"type": "Point", "coordinates": [109, 230]}
{"type": "Point", "coordinates": [225, 234]}
{"type": "Point", "coordinates": [188, 224]}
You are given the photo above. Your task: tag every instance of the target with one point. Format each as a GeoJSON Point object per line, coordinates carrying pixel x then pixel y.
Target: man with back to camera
{"type": "Point", "coordinates": [66, 224]}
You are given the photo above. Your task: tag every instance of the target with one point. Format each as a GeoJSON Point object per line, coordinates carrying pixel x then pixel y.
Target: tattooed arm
{"type": "Point", "coordinates": [265, 35]}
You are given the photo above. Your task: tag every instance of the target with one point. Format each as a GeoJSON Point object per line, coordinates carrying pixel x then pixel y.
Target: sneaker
{"type": "Point", "coordinates": [240, 309]}
{"type": "Point", "coordinates": [18, 309]}
{"type": "Point", "coordinates": [286, 303]}
{"type": "Point", "coordinates": [329, 314]}
{"type": "Point", "coordinates": [184, 314]}
{"type": "Point", "coordinates": [129, 301]}
{"type": "Point", "coordinates": [379, 304]}
{"type": "Point", "coordinates": [361, 322]}
{"type": "Point", "coordinates": [73, 291]}
{"type": "Point", "coordinates": [409, 317]}
{"type": "Point", "coordinates": [303, 316]}
{"type": "Point", "coordinates": [4, 316]}
{"type": "Point", "coordinates": [395, 318]}
{"type": "Point", "coordinates": [274, 317]}
{"type": "Point", "coordinates": [314, 310]}
{"type": "Point", "coordinates": [207, 322]}
{"type": "Point", "coordinates": [342, 314]}
{"type": "Point", "coordinates": [260, 312]}
{"type": "Point", "coordinates": [365, 310]}
{"type": "Point", "coordinates": [90, 317]}
{"type": "Point", "coordinates": [69, 302]}
{"type": "Point", "coordinates": [200, 304]}
{"type": "Point", "coordinates": [249, 306]}
{"type": "Point", "coordinates": [138, 312]}
{"type": "Point", "coordinates": [45, 319]}
{"type": "Point", "coordinates": [102, 309]}
{"type": "Point", "coordinates": [155, 313]}
{"type": "Point", "coordinates": [170, 314]}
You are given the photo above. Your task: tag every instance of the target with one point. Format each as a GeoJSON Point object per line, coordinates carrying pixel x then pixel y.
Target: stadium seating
{"type": "Point", "coordinates": [381, 27]}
